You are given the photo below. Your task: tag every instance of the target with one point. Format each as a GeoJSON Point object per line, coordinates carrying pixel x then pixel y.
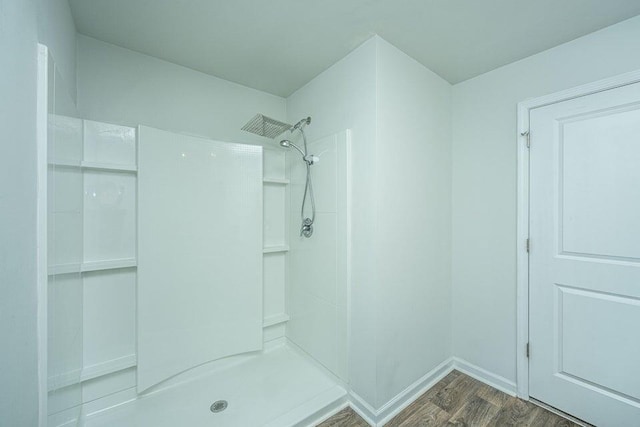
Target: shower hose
{"type": "Point", "coordinates": [306, 228]}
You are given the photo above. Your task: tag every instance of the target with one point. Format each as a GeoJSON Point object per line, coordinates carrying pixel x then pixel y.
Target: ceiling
{"type": "Point", "coordinates": [279, 45]}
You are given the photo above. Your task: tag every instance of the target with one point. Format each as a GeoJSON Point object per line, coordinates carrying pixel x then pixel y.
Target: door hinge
{"type": "Point", "coordinates": [528, 245]}
{"type": "Point", "coordinates": [527, 135]}
{"type": "Point", "coordinates": [527, 350]}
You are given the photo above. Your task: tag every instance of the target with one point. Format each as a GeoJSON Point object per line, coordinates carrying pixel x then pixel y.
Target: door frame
{"type": "Point", "coordinates": [522, 223]}
{"type": "Point", "coordinates": [42, 119]}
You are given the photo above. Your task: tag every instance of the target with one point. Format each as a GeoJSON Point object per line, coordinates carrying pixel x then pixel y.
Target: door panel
{"type": "Point", "coordinates": [585, 256]}
{"type": "Point", "coordinates": [600, 165]}
{"type": "Point", "coordinates": [580, 329]}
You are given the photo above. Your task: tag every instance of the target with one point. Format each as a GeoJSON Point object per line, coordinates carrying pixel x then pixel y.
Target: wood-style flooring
{"type": "Point", "coordinates": [459, 400]}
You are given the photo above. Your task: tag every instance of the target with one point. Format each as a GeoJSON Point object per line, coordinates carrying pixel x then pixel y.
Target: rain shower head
{"type": "Point", "coordinates": [266, 126]}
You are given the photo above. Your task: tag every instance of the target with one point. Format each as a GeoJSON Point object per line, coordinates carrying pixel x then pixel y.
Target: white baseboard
{"type": "Point", "coordinates": [411, 393]}
{"type": "Point", "coordinates": [489, 378]}
{"type": "Point", "coordinates": [379, 417]}
{"type": "Point", "coordinates": [362, 408]}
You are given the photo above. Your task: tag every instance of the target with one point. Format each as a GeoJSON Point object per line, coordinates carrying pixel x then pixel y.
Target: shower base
{"type": "Point", "coordinates": [279, 387]}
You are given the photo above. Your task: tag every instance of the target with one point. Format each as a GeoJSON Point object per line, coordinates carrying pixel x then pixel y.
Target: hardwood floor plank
{"type": "Point", "coordinates": [423, 409]}
{"type": "Point", "coordinates": [545, 418]}
{"type": "Point", "coordinates": [494, 396]}
{"type": "Point", "coordinates": [457, 393]}
{"type": "Point", "coordinates": [448, 379]}
{"type": "Point", "coordinates": [421, 413]}
{"type": "Point", "coordinates": [459, 400]}
{"type": "Point", "coordinates": [345, 418]}
{"type": "Point", "coordinates": [476, 412]}
{"type": "Point", "coordinates": [516, 412]}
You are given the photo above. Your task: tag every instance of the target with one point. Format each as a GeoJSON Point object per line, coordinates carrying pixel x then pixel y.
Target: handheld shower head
{"type": "Point", "coordinates": [285, 143]}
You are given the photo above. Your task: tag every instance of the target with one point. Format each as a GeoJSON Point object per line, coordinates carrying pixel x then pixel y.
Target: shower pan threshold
{"type": "Point", "coordinates": [280, 387]}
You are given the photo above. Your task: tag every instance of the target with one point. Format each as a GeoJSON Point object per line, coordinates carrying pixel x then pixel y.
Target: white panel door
{"type": "Point", "coordinates": [199, 252]}
{"type": "Point", "coordinates": [585, 256]}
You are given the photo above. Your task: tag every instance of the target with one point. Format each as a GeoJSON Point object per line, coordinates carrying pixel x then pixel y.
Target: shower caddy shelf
{"type": "Point", "coordinates": [109, 167]}
{"type": "Point", "coordinates": [277, 181]}
{"type": "Point", "coordinates": [275, 320]}
{"type": "Point", "coordinates": [275, 249]}
{"type": "Point", "coordinates": [96, 166]}
{"type": "Point", "coordinates": [92, 266]}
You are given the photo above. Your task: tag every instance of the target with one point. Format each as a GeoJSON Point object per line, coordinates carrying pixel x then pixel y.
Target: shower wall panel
{"type": "Point", "coordinates": [318, 275]}
{"type": "Point", "coordinates": [199, 252]}
{"type": "Point", "coordinates": [91, 262]}
{"type": "Point", "coordinates": [64, 291]}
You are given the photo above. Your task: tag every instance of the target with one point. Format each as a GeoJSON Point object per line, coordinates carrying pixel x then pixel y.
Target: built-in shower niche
{"type": "Point", "coordinates": [275, 241]}
{"type": "Point", "coordinates": [91, 263]}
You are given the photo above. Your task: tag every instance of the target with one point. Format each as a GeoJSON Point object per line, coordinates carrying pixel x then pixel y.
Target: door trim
{"type": "Point", "coordinates": [42, 118]}
{"type": "Point", "coordinates": [522, 222]}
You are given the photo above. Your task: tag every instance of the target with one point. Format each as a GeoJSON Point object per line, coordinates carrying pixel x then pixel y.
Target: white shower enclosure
{"type": "Point", "coordinates": [176, 276]}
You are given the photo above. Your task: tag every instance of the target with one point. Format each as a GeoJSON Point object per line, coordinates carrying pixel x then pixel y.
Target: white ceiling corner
{"type": "Point", "coordinates": [279, 45]}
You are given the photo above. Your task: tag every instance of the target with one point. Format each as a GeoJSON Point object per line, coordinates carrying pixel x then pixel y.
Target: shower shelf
{"type": "Point", "coordinates": [64, 269]}
{"type": "Point", "coordinates": [109, 265]}
{"type": "Point", "coordinates": [91, 372]}
{"type": "Point", "coordinates": [278, 181]}
{"type": "Point", "coordinates": [96, 166]}
{"type": "Point", "coordinates": [109, 367]}
{"type": "Point", "coordinates": [92, 266]}
{"type": "Point", "coordinates": [109, 167]}
{"type": "Point", "coordinates": [275, 249]}
{"type": "Point", "coordinates": [275, 319]}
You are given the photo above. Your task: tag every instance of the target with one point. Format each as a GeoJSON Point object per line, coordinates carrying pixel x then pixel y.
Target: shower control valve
{"type": "Point", "coordinates": [307, 228]}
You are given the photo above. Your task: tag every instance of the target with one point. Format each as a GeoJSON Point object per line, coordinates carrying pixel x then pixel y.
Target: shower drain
{"type": "Point", "coordinates": [219, 406]}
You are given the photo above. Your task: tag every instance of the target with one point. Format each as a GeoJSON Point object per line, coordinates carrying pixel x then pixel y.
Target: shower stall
{"type": "Point", "coordinates": [191, 281]}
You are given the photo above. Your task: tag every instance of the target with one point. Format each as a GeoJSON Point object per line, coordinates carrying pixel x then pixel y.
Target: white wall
{"type": "Point", "coordinates": [57, 31]}
{"type": "Point", "coordinates": [18, 303]}
{"type": "Point", "coordinates": [413, 232]}
{"type": "Point", "coordinates": [344, 97]}
{"type": "Point", "coordinates": [399, 111]}
{"type": "Point", "coordinates": [121, 86]}
{"type": "Point", "coordinates": [484, 183]}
